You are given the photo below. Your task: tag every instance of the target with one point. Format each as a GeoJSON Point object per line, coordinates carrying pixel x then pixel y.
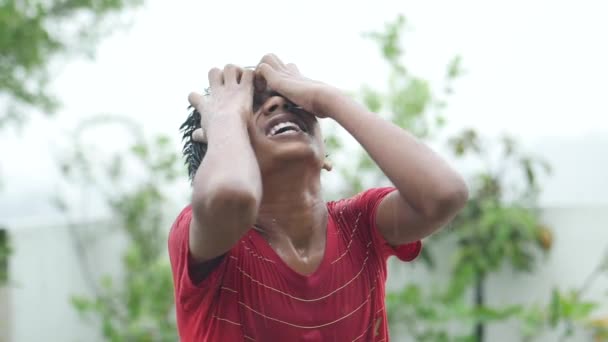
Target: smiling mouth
{"type": "Point", "coordinates": [286, 128]}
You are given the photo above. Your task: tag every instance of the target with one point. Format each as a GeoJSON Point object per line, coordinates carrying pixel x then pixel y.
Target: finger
{"type": "Point", "coordinates": [199, 135]}
{"type": "Point", "coordinates": [216, 77]}
{"type": "Point", "coordinates": [293, 68]}
{"type": "Point", "coordinates": [247, 77]}
{"type": "Point", "coordinates": [231, 74]}
{"type": "Point", "coordinates": [195, 100]}
{"type": "Point", "coordinates": [239, 75]}
{"type": "Point", "coordinates": [268, 73]}
{"type": "Point", "coordinates": [272, 60]}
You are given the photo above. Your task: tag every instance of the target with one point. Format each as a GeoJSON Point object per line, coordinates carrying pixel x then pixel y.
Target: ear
{"type": "Point", "coordinates": [327, 165]}
{"type": "Point", "coordinates": [199, 135]}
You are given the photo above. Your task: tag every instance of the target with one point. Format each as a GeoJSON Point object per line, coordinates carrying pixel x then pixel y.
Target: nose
{"type": "Point", "coordinates": [273, 104]}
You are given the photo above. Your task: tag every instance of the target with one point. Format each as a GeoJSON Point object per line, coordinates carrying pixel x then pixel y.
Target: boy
{"type": "Point", "coordinates": [258, 255]}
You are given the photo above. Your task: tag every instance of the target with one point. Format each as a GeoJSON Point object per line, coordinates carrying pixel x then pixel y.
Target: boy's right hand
{"type": "Point", "coordinates": [231, 92]}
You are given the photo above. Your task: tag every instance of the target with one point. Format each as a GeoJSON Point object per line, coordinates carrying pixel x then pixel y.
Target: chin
{"type": "Point", "coordinates": [292, 152]}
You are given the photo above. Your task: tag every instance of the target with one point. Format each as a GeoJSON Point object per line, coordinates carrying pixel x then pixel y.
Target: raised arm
{"type": "Point", "coordinates": [227, 186]}
{"type": "Point", "coordinates": [429, 194]}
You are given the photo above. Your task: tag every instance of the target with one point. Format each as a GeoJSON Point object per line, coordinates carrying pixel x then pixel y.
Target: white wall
{"type": "Point", "coordinates": [46, 271]}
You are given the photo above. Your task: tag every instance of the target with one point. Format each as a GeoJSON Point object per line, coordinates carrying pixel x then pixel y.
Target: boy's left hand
{"type": "Point", "coordinates": [313, 96]}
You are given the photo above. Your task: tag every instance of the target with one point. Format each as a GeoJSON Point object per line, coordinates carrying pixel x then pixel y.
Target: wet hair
{"type": "Point", "coordinates": [193, 151]}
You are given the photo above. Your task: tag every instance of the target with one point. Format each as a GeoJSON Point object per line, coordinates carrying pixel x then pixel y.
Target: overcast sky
{"type": "Point", "coordinates": [536, 69]}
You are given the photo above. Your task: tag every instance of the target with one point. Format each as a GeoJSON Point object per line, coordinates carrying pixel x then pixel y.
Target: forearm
{"type": "Point", "coordinates": [423, 178]}
{"type": "Point", "coordinates": [230, 165]}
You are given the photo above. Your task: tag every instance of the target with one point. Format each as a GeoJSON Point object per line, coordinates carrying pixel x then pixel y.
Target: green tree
{"type": "Point", "coordinates": [4, 253]}
{"type": "Point", "coordinates": [137, 306]}
{"type": "Point", "coordinates": [33, 33]}
{"type": "Point", "coordinates": [499, 227]}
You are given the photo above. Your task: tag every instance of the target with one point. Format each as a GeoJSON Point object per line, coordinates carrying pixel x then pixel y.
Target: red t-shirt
{"type": "Point", "coordinates": [254, 296]}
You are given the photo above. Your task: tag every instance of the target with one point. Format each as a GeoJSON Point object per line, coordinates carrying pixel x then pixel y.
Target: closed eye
{"type": "Point", "coordinates": [296, 109]}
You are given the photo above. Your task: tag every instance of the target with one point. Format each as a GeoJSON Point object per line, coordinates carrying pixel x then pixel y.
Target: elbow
{"type": "Point", "coordinates": [228, 197]}
{"type": "Point", "coordinates": [448, 201]}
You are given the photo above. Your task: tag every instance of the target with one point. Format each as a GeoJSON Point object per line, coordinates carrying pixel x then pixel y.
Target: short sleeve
{"type": "Point", "coordinates": [367, 203]}
{"type": "Point", "coordinates": [187, 293]}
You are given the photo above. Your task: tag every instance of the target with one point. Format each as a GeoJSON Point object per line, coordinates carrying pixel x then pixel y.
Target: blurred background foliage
{"type": "Point", "coordinates": [138, 305]}
{"type": "Point", "coordinates": [33, 33]}
{"type": "Point", "coordinates": [499, 228]}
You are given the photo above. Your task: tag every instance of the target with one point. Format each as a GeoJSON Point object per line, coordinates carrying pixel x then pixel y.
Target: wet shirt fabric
{"type": "Point", "coordinates": [252, 295]}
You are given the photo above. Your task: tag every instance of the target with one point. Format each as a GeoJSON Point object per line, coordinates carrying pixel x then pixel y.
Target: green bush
{"type": "Point", "coordinates": [499, 227]}
{"type": "Point", "coordinates": [139, 305]}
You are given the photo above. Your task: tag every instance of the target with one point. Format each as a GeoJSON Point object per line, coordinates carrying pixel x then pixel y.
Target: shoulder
{"type": "Point", "coordinates": [188, 274]}
{"type": "Point", "coordinates": [357, 214]}
{"type": "Point", "coordinates": [178, 234]}
{"type": "Point", "coordinates": [358, 210]}
{"type": "Point", "coordinates": [363, 202]}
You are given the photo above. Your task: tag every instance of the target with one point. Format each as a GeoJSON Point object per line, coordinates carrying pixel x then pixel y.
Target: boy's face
{"type": "Point", "coordinates": [280, 133]}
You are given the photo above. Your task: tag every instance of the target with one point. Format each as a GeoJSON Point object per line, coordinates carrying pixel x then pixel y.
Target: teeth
{"type": "Point", "coordinates": [281, 125]}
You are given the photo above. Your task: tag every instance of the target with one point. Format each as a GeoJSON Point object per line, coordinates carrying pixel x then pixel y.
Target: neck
{"type": "Point", "coordinates": [292, 208]}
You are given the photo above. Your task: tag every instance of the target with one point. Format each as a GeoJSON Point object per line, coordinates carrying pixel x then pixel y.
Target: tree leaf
{"type": "Point", "coordinates": [555, 309]}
